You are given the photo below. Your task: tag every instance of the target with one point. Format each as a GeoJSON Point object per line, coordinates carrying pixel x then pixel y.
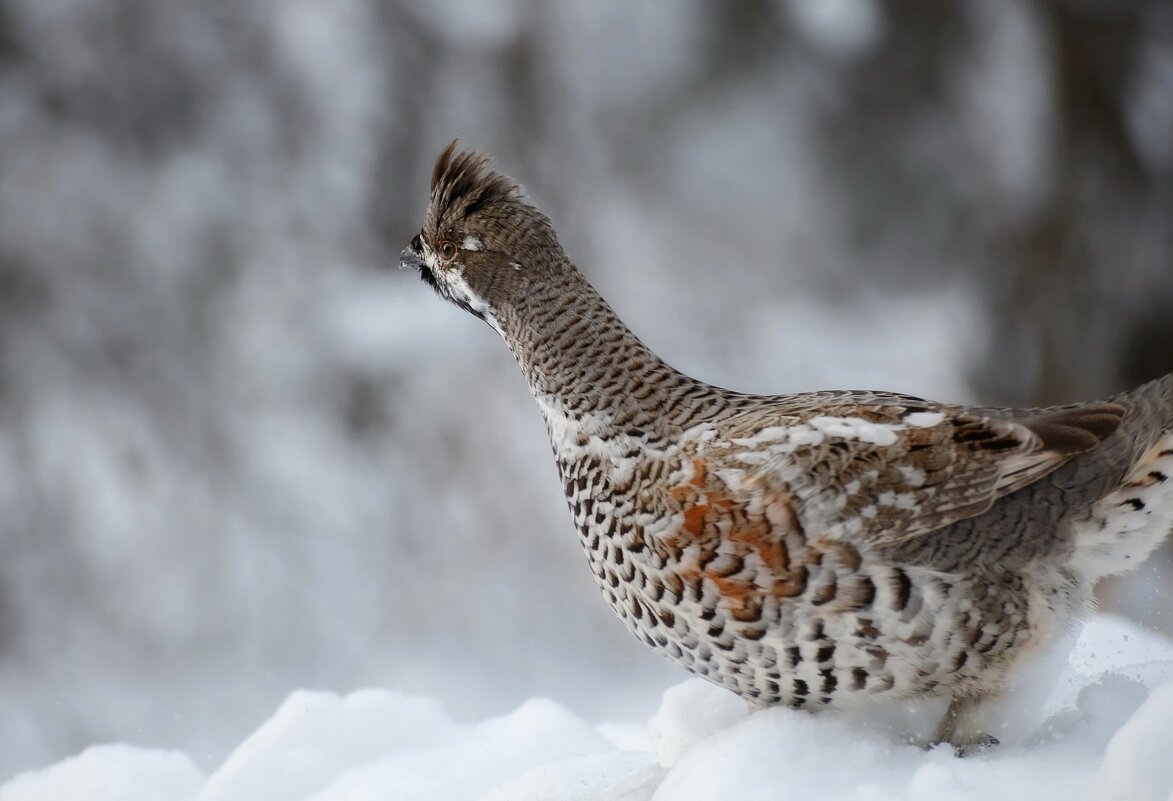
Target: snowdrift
{"type": "Point", "coordinates": [1103, 731]}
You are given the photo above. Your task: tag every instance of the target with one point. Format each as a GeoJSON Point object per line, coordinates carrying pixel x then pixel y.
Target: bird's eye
{"type": "Point", "coordinates": [447, 250]}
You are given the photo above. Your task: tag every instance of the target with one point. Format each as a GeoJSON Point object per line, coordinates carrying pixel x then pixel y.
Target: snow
{"type": "Point", "coordinates": [1103, 732]}
{"type": "Point", "coordinates": [110, 773]}
{"type": "Point", "coordinates": [1136, 763]}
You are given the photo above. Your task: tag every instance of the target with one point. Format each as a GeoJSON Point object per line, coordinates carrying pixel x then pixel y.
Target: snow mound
{"type": "Point", "coordinates": [110, 773]}
{"type": "Point", "coordinates": [1103, 732]}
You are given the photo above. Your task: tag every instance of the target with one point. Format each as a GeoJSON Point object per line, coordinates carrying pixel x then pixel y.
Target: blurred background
{"type": "Point", "coordinates": [241, 453]}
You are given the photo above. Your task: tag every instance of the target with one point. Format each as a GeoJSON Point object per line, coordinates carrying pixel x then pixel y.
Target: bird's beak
{"type": "Point", "coordinates": [410, 260]}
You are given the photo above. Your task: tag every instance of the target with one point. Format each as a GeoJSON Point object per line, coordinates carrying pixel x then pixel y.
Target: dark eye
{"type": "Point", "coordinates": [447, 250]}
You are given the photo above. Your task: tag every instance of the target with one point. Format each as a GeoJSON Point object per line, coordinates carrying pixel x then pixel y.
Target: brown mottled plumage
{"type": "Point", "coordinates": [814, 550]}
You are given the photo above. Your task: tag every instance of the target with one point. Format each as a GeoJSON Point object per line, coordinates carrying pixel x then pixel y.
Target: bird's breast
{"type": "Point", "coordinates": [721, 578]}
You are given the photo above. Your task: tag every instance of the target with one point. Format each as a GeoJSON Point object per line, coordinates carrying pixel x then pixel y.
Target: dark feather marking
{"type": "Point", "coordinates": [830, 680]}
{"type": "Point", "coordinates": [825, 593]}
{"type": "Point", "coordinates": [867, 630]}
{"type": "Point", "coordinates": [1075, 431]}
{"type": "Point", "coordinates": [902, 588]}
{"type": "Point", "coordinates": [867, 593]}
{"type": "Point", "coordinates": [859, 678]}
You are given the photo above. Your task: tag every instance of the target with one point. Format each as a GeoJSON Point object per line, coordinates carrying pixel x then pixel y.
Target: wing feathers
{"type": "Point", "coordinates": [931, 476]}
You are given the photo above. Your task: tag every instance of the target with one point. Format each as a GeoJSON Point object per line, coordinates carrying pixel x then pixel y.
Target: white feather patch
{"type": "Point", "coordinates": [459, 290]}
{"type": "Point", "coordinates": [856, 428]}
{"type": "Point", "coordinates": [924, 419]}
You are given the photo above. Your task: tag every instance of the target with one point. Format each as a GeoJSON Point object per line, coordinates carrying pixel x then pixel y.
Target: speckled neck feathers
{"type": "Point", "coordinates": [580, 360]}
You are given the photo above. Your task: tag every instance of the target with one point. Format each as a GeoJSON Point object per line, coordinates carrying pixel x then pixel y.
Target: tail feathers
{"type": "Point", "coordinates": [1159, 395]}
{"type": "Point", "coordinates": [1128, 523]}
{"type": "Point", "coordinates": [1149, 417]}
{"type": "Point", "coordinates": [1072, 431]}
{"type": "Point", "coordinates": [1166, 385]}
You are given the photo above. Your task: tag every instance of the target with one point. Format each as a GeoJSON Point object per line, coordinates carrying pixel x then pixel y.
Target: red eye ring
{"type": "Point", "coordinates": [447, 250]}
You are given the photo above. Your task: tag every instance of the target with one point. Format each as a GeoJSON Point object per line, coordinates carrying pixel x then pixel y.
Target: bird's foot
{"type": "Point", "coordinates": [979, 743]}
{"type": "Point", "coordinates": [959, 728]}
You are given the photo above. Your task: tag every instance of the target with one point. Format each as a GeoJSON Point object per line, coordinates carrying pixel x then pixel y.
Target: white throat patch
{"type": "Point", "coordinates": [462, 292]}
{"type": "Point", "coordinates": [454, 286]}
{"type": "Point", "coordinates": [459, 290]}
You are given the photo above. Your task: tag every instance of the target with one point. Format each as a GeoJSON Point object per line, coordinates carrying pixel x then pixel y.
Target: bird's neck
{"type": "Point", "coordinates": [589, 373]}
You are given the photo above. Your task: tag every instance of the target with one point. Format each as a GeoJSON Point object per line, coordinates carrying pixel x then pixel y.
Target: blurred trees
{"type": "Point", "coordinates": [236, 453]}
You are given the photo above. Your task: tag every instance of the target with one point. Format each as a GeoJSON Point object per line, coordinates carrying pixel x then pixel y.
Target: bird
{"type": "Point", "coordinates": [820, 550]}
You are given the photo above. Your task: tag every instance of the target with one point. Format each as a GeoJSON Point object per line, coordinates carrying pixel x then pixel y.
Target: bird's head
{"type": "Point", "coordinates": [482, 243]}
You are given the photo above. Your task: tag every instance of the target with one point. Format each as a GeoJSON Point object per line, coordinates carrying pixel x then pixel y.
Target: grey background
{"type": "Point", "coordinates": [240, 453]}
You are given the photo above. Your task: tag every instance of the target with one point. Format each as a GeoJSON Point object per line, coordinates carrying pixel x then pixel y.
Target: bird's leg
{"type": "Point", "coordinates": [961, 726]}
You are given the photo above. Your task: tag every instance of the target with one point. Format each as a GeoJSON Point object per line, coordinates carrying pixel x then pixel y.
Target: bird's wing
{"type": "Point", "coordinates": [882, 474]}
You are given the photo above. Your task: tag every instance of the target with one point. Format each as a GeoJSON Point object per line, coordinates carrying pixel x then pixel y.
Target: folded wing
{"type": "Point", "coordinates": [883, 474]}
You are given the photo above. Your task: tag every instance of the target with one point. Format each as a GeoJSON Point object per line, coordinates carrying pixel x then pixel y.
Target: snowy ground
{"type": "Point", "coordinates": [1103, 732]}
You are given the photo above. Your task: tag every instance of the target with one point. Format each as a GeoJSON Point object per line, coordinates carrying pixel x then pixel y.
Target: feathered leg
{"type": "Point", "coordinates": [961, 726]}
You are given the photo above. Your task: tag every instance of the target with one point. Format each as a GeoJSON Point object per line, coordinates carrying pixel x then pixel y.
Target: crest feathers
{"type": "Point", "coordinates": [462, 183]}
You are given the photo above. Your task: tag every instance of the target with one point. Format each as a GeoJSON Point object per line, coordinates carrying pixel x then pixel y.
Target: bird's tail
{"type": "Point", "coordinates": [1150, 407]}
{"type": "Point", "coordinates": [1165, 391]}
{"type": "Point", "coordinates": [1130, 521]}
